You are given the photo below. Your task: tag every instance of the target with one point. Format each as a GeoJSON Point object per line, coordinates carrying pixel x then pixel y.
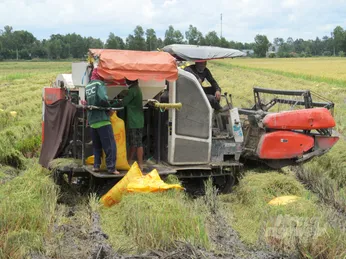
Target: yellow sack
{"type": "Point", "coordinates": [118, 126]}
{"type": "Point", "coordinates": [114, 195]}
{"type": "Point", "coordinates": [283, 200]}
{"type": "Point", "coordinates": [150, 183]}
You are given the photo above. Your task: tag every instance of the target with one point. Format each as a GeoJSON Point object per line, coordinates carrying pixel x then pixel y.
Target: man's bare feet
{"type": "Point", "coordinates": [116, 172]}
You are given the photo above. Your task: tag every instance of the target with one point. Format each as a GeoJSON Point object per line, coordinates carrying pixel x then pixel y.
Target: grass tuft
{"type": "Point", "coordinates": [61, 162]}
{"type": "Point", "coordinates": [27, 205]}
{"type": "Point", "coordinates": [7, 173]}
{"type": "Point", "coordinates": [155, 221]}
{"type": "Point", "coordinates": [302, 226]}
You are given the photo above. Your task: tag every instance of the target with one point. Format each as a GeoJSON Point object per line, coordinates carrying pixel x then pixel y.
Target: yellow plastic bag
{"type": "Point", "coordinates": [114, 195]}
{"type": "Point", "coordinates": [283, 200]}
{"type": "Point", "coordinates": [118, 126]}
{"type": "Point", "coordinates": [13, 113]}
{"type": "Point", "coordinates": [150, 183]}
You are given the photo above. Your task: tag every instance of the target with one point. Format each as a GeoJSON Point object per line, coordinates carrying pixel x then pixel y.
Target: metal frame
{"type": "Point", "coordinates": [306, 94]}
{"type": "Point", "coordinates": [172, 118]}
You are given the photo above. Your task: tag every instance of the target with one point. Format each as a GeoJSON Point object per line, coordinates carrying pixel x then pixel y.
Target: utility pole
{"type": "Point", "coordinates": [332, 36]}
{"type": "Point", "coordinates": [221, 25]}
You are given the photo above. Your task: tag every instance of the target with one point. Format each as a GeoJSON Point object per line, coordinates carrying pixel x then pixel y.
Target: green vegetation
{"type": "Point", "coordinates": [332, 164]}
{"type": "Point", "coordinates": [252, 195]}
{"type": "Point", "coordinates": [21, 92]}
{"type": "Point", "coordinates": [27, 202]}
{"type": "Point", "coordinates": [29, 146]}
{"type": "Point", "coordinates": [326, 176]}
{"type": "Point", "coordinates": [7, 173]}
{"type": "Point", "coordinates": [299, 225]}
{"type": "Point", "coordinates": [27, 205]}
{"type": "Point", "coordinates": [23, 44]}
{"type": "Point", "coordinates": [155, 221]}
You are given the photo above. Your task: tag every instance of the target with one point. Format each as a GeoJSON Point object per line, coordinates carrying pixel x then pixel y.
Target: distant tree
{"type": "Point", "coordinates": [317, 47]}
{"type": "Point", "coordinates": [15, 41]}
{"type": "Point", "coordinates": [239, 45]}
{"type": "Point", "coordinates": [290, 41]}
{"type": "Point", "coordinates": [169, 36]}
{"type": "Point", "coordinates": [151, 39]}
{"type": "Point", "coordinates": [76, 44]}
{"type": "Point", "coordinates": [178, 37]}
{"type": "Point", "coordinates": [136, 41]}
{"type": "Point", "coordinates": [298, 45]}
{"type": "Point", "coordinates": [114, 42]}
{"type": "Point", "coordinates": [224, 43]}
{"type": "Point", "coordinates": [249, 45]}
{"type": "Point", "coordinates": [232, 44]}
{"type": "Point", "coordinates": [261, 45]}
{"type": "Point", "coordinates": [6, 37]}
{"type": "Point", "coordinates": [139, 38]}
{"type": "Point", "coordinates": [94, 43]}
{"type": "Point", "coordinates": [278, 41]}
{"type": "Point", "coordinates": [211, 39]}
{"type": "Point", "coordinates": [173, 36]}
{"type": "Point", "coordinates": [23, 44]}
{"type": "Point", "coordinates": [130, 42]}
{"type": "Point", "coordinates": [160, 43]}
{"type": "Point", "coordinates": [7, 29]}
{"type": "Point", "coordinates": [38, 50]}
{"type": "Point", "coordinates": [285, 50]}
{"type": "Point", "coordinates": [272, 55]}
{"type": "Point", "coordinates": [339, 38]}
{"type": "Point", "coordinates": [64, 46]}
{"type": "Point", "coordinates": [327, 53]}
{"type": "Point", "coordinates": [194, 36]}
{"type": "Point", "coordinates": [55, 49]}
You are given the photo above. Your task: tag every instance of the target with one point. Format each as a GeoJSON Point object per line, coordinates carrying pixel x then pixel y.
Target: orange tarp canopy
{"type": "Point", "coordinates": [144, 65]}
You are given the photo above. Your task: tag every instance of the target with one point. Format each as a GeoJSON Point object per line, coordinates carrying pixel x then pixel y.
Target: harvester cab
{"type": "Point", "coordinates": [182, 134]}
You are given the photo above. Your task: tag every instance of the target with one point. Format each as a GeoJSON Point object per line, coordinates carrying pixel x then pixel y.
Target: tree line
{"type": "Point", "coordinates": [24, 45]}
{"type": "Point", "coordinates": [335, 45]}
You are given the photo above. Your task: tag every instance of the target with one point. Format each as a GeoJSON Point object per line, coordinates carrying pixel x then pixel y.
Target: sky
{"type": "Point", "coordinates": [242, 20]}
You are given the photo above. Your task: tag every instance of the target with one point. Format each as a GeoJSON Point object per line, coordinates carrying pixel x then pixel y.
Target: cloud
{"type": "Point", "coordinates": [290, 4]}
{"type": "Point", "coordinates": [241, 20]}
{"type": "Point", "coordinates": [169, 3]}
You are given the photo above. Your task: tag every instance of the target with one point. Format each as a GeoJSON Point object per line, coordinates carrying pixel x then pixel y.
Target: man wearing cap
{"type": "Point", "coordinates": [201, 72]}
{"type": "Point", "coordinates": [101, 129]}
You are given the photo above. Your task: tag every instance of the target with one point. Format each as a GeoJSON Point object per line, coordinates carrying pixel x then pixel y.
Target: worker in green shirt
{"type": "Point", "coordinates": [101, 129]}
{"type": "Point", "coordinates": [133, 102]}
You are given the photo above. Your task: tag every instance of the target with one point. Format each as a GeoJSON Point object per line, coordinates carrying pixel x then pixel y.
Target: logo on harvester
{"type": "Point", "coordinates": [284, 140]}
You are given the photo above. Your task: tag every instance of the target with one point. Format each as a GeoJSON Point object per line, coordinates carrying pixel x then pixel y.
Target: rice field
{"type": "Point", "coordinates": [21, 86]}
{"type": "Point", "coordinates": [323, 69]}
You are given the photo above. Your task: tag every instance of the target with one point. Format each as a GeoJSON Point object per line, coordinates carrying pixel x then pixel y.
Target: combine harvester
{"type": "Point", "coordinates": [182, 134]}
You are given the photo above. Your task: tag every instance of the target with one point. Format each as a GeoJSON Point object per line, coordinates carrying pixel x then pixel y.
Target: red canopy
{"type": "Point", "coordinates": [144, 65]}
